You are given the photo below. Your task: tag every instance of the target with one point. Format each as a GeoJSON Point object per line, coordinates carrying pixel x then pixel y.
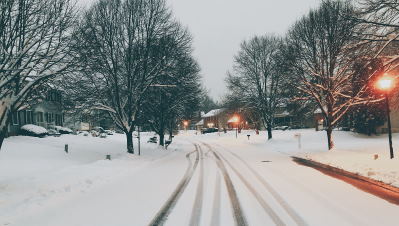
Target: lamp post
{"type": "Point", "coordinates": [385, 84]}
{"type": "Point", "coordinates": [235, 120]}
{"type": "Point", "coordinates": [185, 123]}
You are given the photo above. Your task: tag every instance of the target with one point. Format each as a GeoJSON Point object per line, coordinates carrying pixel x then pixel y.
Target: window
{"type": "Point", "coordinates": [58, 120]}
{"type": "Point", "coordinates": [15, 118]}
{"type": "Point", "coordinates": [50, 117]}
{"type": "Point", "coordinates": [39, 117]}
{"type": "Point", "coordinates": [21, 117]}
{"type": "Point", "coordinates": [29, 117]}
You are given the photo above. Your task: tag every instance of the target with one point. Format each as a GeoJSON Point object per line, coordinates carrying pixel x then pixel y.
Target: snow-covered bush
{"type": "Point", "coordinates": [63, 130]}
{"type": "Point", "coordinates": [33, 130]}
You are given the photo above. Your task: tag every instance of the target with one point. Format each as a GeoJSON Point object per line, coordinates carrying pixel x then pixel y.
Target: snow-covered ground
{"type": "Point", "coordinates": [36, 173]}
{"type": "Point", "coordinates": [353, 152]}
{"type": "Point", "coordinates": [42, 185]}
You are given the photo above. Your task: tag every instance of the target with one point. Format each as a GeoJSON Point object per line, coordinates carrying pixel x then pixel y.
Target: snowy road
{"type": "Point", "coordinates": [214, 180]}
{"type": "Point", "coordinates": [267, 188]}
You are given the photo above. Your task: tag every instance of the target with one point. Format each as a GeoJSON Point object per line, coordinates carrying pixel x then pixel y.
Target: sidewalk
{"type": "Point", "coordinates": [368, 184]}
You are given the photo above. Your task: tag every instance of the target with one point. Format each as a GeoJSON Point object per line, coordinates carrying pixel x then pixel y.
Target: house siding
{"type": "Point", "coordinates": [48, 113]}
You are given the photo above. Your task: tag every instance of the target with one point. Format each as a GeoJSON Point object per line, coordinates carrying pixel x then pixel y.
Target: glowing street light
{"type": "Point", "coordinates": [185, 124]}
{"type": "Point", "coordinates": [385, 84]}
{"type": "Point", "coordinates": [235, 119]}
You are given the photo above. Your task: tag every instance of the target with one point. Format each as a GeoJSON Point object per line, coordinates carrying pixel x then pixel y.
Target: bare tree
{"type": "Point", "coordinates": [381, 18]}
{"type": "Point", "coordinates": [256, 78]}
{"type": "Point", "coordinates": [34, 47]}
{"type": "Point", "coordinates": [177, 97]}
{"type": "Point", "coordinates": [321, 50]}
{"type": "Point", "coordinates": [124, 47]}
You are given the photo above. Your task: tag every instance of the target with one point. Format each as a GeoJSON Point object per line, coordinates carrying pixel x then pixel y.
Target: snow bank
{"type": "Point", "coordinates": [375, 165]}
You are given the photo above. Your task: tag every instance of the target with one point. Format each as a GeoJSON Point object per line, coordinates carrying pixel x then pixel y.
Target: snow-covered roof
{"type": "Point", "coordinates": [318, 110]}
{"type": "Point", "coordinates": [200, 123]}
{"type": "Point", "coordinates": [213, 113]}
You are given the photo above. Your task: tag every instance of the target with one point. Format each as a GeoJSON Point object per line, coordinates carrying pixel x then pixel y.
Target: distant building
{"type": "Point", "coordinates": [87, 119]}
{"type": "Point", "coordinates": [47, 113]}
{"type": "Point", "coordinates": [224, 119]}
{"type": "Point", "coordinates": [216, 118]}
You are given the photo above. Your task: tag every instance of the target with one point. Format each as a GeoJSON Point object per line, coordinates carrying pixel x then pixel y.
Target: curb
{"type": "Point", "coordinates": [345, 173]}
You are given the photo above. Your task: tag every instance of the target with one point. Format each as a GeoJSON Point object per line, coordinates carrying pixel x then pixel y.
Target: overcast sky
{"type": "Point", "coordinates": [219, 26]}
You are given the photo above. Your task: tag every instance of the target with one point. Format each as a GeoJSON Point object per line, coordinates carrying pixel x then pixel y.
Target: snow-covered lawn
{"type": "Point", "coordinates": [36, 172]}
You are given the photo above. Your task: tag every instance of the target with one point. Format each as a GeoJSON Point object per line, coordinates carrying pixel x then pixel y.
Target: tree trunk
{"type": "Point", "coordinates": [269, 132]}
{"type": "Point", "coordinates": [329, 137]}
{"type": "Point", "coordinates": [4, 121]}
{"type": "Point", "coordinates": [162, 139]}
{"type": "Point", "coordinates": [2, 136]}
{"type": "Point", "coordinates": [129, 142]}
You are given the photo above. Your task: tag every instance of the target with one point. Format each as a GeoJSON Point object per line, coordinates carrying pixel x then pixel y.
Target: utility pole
{"type": "Point", "coordinates": [138, 137]}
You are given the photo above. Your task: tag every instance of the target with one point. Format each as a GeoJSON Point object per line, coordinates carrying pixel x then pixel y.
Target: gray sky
{"type": "Point", "coordinates": [219, 26]}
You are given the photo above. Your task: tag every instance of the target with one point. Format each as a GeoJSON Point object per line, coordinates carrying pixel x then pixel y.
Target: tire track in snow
{"type": "Point", "coordinates": [238, 214]}
{"type": "Point", "coordinates": [162, 215]}
{"type": "Point", "coordinates": [215, 218]}
{"type": "Point", "coordinates": [197, 208]}
{"type": "Point", "coordinates": [344, 214]}
{"type": "Point", "coordinates": [268, 209]}
{"type": "Point", "coordinates": [290, 211]}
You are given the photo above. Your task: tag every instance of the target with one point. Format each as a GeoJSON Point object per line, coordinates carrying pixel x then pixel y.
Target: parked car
{"type": "Point", "coordinates": [94, 133]}
{"type": "Point", "coordinates": [153, 140]}
{"type": "Point", "coordinates": [103, 135]}
{"type": "Point", "coordinates": [33, 130]}
{"type": "Point", "coordinates": [281, 128]}
{"type": "Point", "coordinates": [83, 133]}
{"type": "Point", "coordinates": [63, 130]}
{"type": "Point", "coordinates": [99, 129]}
{"type": "Point", "coordinates": [209, 130]}
{"type": "Point", "coordinates": [119, 131]}
{"type": "Point", "coordinates": [53, 132]}
{"type": "Point", "coordinates": [108, 132]}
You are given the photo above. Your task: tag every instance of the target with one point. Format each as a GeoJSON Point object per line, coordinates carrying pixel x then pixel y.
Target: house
{"type": "Point", "coordinates": [199, 125]}
{"type": "Point", "coordinates": [46, 113]}
{"type": "Point", "coordinates": [282, 116]}
{"type": "Point", "coordinates": [394, 114]}
{"type": "Point", "coordinates": [216, 118]}
{"type": "Point", "coordinates": [87, 119]}
{"type": "Point", "coordinates": [224, 119]}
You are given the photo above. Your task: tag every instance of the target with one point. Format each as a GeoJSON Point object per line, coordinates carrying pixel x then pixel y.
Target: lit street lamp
{"type": "Point", "coordinates": [185, 123]}
{"type": "Point", "coordinates": [235, 120]}
{"type": "Point", "coordinates": [385, 84]}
